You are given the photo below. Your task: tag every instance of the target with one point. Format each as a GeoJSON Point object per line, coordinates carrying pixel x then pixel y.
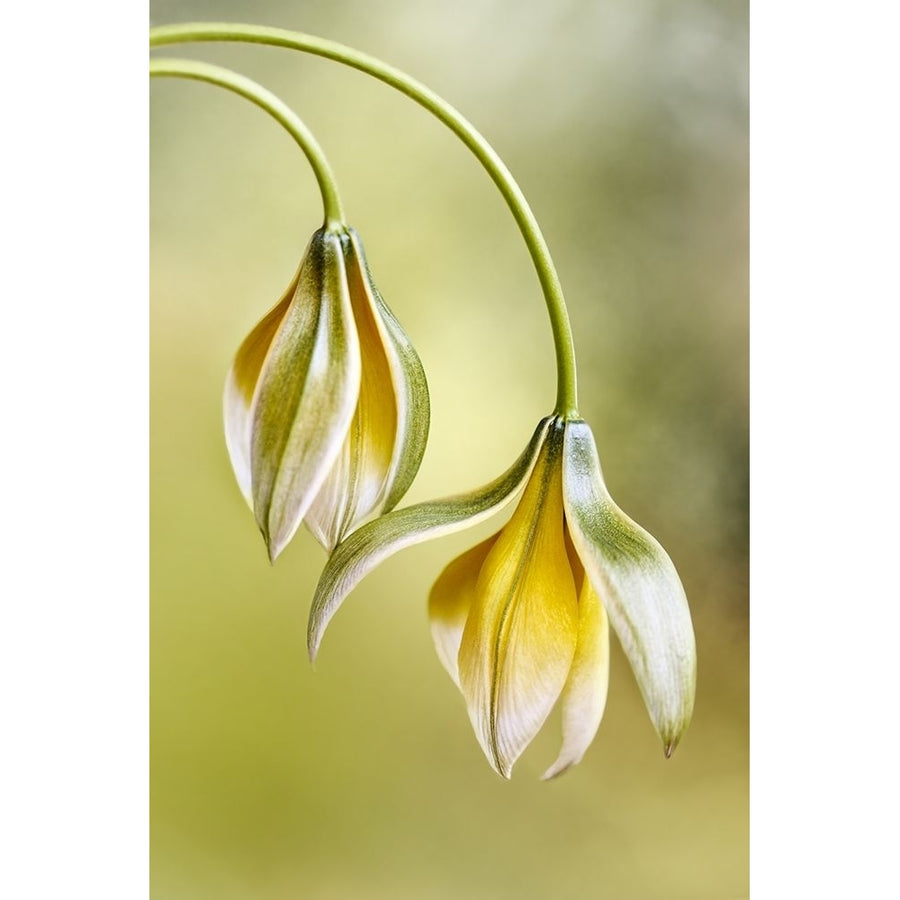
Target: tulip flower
{"type": "Point", "coordinates": [326, 404]}
{"type": "Point", "coordinates": [521, 621]}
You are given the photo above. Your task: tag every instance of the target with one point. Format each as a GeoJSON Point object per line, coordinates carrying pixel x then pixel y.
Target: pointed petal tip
{"type": "Point", "coordinates": [500, 766]}
{"type": "Point", "coordinates": [555, 771]}
{"type": "Point", "coordinates": [669, 748]}
{"type": "Point", "coordinates": [276, 541]}
{"type": "Point", "coordinates": [313, 642]}
{"type": "Point", "coordinates": [273, 550]}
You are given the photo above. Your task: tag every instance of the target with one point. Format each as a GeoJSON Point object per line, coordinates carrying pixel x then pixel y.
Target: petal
{"type": "Point", "coordinates": [637, 584]}
{"type": "Point", "coordinates": [358, 485]}
{"type": "Point", "coordinates": [370, 545]}
{"type": "Point", "coordinates": [410, 389]}
{"type": "Point", "coordinates": [520, 636]}
{"type": "Point", "coordinates": [584, 696]}
{"type": "Point", "coordinates": [307, 394]}
{"type": "Point", "coordinates": [327, 512]}
{"type": "Point", "coordinates": [450, 601]}
{"type": "Point", "coordinates": [240, 386]}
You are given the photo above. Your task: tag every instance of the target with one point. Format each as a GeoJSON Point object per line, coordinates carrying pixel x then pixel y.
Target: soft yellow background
{"type": "Point", "coordinates": [625, 123]}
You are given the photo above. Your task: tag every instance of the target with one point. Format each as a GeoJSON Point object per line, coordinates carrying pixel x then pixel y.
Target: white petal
{"type": "Point", "coordinates": [240, 386]}
{"type": "Point", "coordinates": [307, 394]}
{"type": "Point", "coordinates": [356, 485]}
{"type": "Point", "coordinates": [638, 585]}
{"type": "Point", "coordinates": [386, 439]}
{"type": "Point", "coordinates": [327, 513]}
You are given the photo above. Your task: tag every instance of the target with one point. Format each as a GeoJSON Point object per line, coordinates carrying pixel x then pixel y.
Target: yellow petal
{"type": "Point", "coordinates": [584, 696]}
{"type": "Point", "coordinates": [519, 639]}
{"type": "Point", "coordinates": [240, 386]}
{"type": "Point", "coordinates": [410, 389]}
{"type": "Point", "coordinates": [307, 394]}
{"type": "Point", "coordinates": [451, 599]}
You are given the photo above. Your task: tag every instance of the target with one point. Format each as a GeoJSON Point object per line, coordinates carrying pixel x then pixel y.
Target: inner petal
{"type": "Point", "coordinates": [520, 637]}
{"type": "Point", "coordinates": [358, 482]}
{"type": "Point", "coordinates": [450, 601]}
{"type": "Point", "coordinates": [583, 698]}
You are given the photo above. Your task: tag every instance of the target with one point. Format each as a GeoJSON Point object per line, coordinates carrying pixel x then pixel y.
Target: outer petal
{"type": "Point", "coordinates": [451, 599]}
{"type": "Point", "coordinates": [584, 696]}
{"type": "Point", "coordinates": [519, 639]}
{"type": "Point", "coordinates": [638, 585]}
{"type": "Point", "coordinates": [390, 426]}
{"type": "Point", "coordinates": [370, 545]}
{"type": "Point", "coordinates": [240, 386]}
{"type": "Point", "coordinates": [407, 376]}
{"type": "Point", "coordinates": [307, 394]}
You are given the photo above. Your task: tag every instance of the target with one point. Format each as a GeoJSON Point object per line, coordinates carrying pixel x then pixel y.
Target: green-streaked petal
{"type": "Point", "coordinates": [374, 542]}
{"type": "Point", "coordinates": [519, 640]}
{"type": "Point", "coordinates": [451, 599]}
{"type": "Point", "coordinates": [240, 386]}
{"type": "Point", "coordinates": [584, 696]}
{"type": "Point", "coordinates": [413, 405]}
{"type": "Point", "coordinates": [307, 393]}
{"type": "Point", "coordinates": [638, 585]}
{"type": "Point", "coordinates": [378, 439]}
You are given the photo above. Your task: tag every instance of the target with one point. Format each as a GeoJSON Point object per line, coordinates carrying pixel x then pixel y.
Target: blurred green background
{"type": "Point", "coordinates": [625, 123]}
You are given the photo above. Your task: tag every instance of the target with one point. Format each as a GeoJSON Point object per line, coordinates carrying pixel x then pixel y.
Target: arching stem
{"type": "Point", "coordinates": [283, 114]}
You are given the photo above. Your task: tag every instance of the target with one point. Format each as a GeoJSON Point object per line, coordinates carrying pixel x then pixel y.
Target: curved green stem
{"type": "Point", "coordinates": [566, 403]}
{"type": "Point", "coordinates": [283, 114]}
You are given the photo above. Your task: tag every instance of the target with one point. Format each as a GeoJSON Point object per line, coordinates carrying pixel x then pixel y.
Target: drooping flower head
{"type": "Point", "coordinates": [326, 403]}
{"type": "Point", "coordinates": [521, 621]}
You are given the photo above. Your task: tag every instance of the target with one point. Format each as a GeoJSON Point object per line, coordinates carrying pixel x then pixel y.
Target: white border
{"type": "Point", "coordinates": [824, 287]}
{"type": "Point", "coordinates": [73, 642]}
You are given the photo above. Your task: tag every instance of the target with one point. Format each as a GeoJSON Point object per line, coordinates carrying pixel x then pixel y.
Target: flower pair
{"type": "Point", "coordinates": [521, 621]}
{"type": "Point", "coordinates": [326, 419]}
{"type": "Point", "coordinates": [326, 404]}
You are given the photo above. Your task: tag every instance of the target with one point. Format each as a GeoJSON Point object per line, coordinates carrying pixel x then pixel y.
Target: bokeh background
{"type": "Point", "coordinates": [625, 122]}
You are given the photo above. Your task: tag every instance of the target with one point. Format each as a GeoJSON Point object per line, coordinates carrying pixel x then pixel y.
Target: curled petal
{"type": "Point", "coordinates": [520, 636]}
{"type": "Point", "coordinates": [638, 585]}
{"type": "Point", "coordinates": [583, 698]}
{"type": "Point", "coordinates": [240, 386]}
{"type": "Point", "coordinates": [374, 542]}
{"type": "Point", "coordinates": [451, 599]}
{"type": "Point", "coordinates": [307, 393]}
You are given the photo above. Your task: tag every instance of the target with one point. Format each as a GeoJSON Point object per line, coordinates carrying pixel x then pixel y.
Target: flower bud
{"type": "Point", "coordinates": [326, 404]}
